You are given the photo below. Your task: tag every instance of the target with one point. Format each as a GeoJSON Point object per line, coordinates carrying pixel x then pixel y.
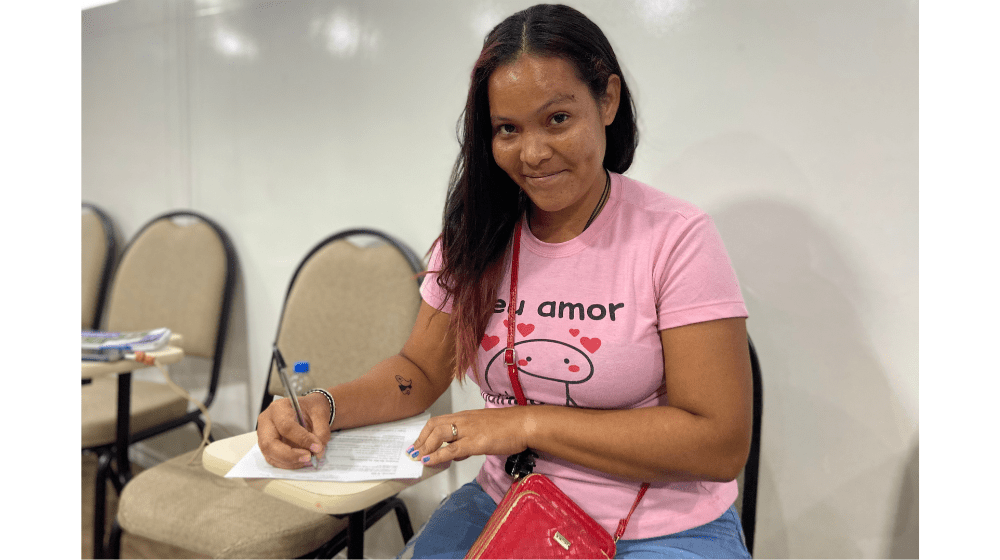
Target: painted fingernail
{"type": "Point", "coordinates": [427, 458]}
{"type": "Point", "coordinates": [409, 450]}
{"type": "Point", "coordinates": [414, 454]}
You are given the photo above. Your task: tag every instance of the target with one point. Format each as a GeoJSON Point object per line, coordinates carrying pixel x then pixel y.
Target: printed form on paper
{"type": "Point", "coordinates": [359, 454]}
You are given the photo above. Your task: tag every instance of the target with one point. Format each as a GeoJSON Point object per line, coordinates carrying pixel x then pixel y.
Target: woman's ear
{"type": "Point", "coordinates": [612, 96]}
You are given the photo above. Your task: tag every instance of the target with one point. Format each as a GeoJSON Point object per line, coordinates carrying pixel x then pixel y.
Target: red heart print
{"type": "Point", "coordinates": [490, 341]}
{"type": "Point", "coordinates": [524, 329]}
{"type": "Point", "coordinates": [591, 344]}
{"type": "Point", "coordinates": [506, 323]}
{"type": "Point", "coordinates": [574, 332]}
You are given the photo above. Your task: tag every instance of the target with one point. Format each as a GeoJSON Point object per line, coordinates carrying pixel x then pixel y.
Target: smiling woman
{"type": "Point", "coordinates": [510, 81]}
{"type": "Point", "coordinates": [653, 386]}
{"type": "Point", "coordinates": [549, 138]}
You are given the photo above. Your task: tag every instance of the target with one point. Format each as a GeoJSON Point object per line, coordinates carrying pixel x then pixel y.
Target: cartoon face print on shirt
{"type": "Point", "coordinates": [545, 359]}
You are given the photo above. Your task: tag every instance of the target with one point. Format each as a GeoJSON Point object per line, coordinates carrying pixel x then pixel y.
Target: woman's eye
{"type": "Point", "coordinates": [559, 118]}
{"type": "Point", "coordinates": [505, 129]}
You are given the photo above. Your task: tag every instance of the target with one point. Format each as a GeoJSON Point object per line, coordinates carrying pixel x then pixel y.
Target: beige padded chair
{"type": "Point", "coordinates": [346, 309]}
{"type": "Point", "coordinates": [99, 251]}
{"type": "Point", "coordinates": [177, 272]}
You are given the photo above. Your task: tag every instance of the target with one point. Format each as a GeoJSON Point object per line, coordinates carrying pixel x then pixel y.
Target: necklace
{"type": "Point", "coordinates": [601, 202]}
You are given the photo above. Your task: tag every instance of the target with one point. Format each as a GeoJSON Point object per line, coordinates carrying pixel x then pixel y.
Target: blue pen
{"type": "Point", "coordinates": [280, 362]}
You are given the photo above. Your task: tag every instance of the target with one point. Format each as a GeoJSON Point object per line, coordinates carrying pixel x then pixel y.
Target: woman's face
{"type": "Point", "coordinates": [548, 134]}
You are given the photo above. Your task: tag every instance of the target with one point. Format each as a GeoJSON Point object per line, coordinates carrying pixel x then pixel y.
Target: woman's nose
{"type": "Point", "coordinates": [535, 149]}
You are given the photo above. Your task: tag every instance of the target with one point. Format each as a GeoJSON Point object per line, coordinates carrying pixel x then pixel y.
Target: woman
{"type": "Point", "coordinates": [632, 345]}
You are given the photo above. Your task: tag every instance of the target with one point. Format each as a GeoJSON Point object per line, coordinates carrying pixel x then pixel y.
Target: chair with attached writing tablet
{"type": "Point", "coordinates": [347, 308]}
{"type": "Point", "coordinates": [747, 505]}
{"type": "Point", "coordinates": [177, 272]}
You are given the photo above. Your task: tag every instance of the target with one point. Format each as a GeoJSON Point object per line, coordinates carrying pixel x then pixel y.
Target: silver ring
{"type": "Point", "coordinates": [454, 431]}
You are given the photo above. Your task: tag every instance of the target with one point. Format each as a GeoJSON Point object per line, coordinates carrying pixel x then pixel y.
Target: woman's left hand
{"type": "Point", "coordinates": [491, 431]}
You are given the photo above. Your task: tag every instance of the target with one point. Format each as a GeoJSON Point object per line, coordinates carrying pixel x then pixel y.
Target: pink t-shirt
{"type": "Point", "coordinates": [589, 315]}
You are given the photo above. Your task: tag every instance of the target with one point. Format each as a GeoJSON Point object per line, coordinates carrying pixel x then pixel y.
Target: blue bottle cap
{"type": "Point", "coordinates": [301, 367]}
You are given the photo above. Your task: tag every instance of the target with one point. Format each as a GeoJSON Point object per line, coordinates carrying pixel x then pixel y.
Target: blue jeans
{"type": "Point", "coordinates": [455, 525]}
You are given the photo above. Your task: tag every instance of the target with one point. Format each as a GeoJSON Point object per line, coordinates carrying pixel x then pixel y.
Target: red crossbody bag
{"type": "Point", "coordinates": [535, 519]}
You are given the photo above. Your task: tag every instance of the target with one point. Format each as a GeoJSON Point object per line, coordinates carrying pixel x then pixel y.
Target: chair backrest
{"type": "Point", "coordinates": [347, 307]}
{"type": "Point", "coordinates": [748, 485]}
{"type": "Point", "coordinates": [178, 272]}
{"type": "Point", "coordinates": [99, 251]}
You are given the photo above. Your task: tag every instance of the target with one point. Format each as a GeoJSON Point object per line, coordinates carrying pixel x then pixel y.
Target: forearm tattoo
{"type": "Point", "coordinates": [405, 385]}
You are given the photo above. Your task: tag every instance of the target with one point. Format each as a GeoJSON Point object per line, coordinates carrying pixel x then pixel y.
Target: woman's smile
{"type": "Point", "coordinates": [543, 179]}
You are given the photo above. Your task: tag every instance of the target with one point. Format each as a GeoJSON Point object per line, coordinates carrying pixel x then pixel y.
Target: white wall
{"type": "Point", "coordinates": [794, 123]}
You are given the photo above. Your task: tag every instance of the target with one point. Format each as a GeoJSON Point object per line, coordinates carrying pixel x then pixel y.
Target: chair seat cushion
{"type": "Point", "coordinates": [180, 503]}
{"type": "Point", "coordinates": [152, 404]}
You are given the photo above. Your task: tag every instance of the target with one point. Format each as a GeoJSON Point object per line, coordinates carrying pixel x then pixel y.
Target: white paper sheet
{"type": "Point", "coordinates": [370, 453]}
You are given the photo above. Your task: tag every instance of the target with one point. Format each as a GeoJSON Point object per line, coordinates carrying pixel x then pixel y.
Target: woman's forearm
{"type": "Point", "coordinates": [393, 389]}
{"type": "Point", "coordinates": [704, 434]}
{"type": "Point", "coordinates": [659, 443]}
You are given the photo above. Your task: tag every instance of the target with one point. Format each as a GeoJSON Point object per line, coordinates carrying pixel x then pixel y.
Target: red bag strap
{"type": "Point", "coordinates": [624, 522]}
{"type": "Point", "coordinates": [510, 358]}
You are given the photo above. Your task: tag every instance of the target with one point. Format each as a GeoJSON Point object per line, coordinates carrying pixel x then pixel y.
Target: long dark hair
{"type": "Point", "coordinates": [484, 203]}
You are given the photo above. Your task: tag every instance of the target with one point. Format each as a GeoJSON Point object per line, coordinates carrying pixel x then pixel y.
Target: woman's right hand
{"type": "Point", "coordinates": [285, 443]}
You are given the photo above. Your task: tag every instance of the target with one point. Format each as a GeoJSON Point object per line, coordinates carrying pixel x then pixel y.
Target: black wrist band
{"type": "Point", "coordinates": [329, 397]}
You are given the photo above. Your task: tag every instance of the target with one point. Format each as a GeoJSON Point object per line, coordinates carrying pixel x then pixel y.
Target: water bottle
{"type": "Point", "coordinates": [301, 382]}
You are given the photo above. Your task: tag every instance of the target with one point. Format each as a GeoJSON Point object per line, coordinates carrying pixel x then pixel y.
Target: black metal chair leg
{"type": "Point", "coordinates": [114, 549]}
{"type": "Point", "coordinates": [122, 430]}
{"type": "Point", "coordinates": [359, 522]}
{"type": "Point", "coordinates": [356, 535]}
{"type": "Point", "coordinates": [100, 501]}
{"type": "Point", "coordinates": [107, 458]}
{"type": "Point", "coordinates": [403, 517]}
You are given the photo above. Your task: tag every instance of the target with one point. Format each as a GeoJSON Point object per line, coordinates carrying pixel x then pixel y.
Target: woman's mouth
{"type": "Point", "coordinates": [540, 179]}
